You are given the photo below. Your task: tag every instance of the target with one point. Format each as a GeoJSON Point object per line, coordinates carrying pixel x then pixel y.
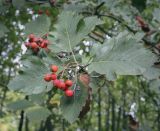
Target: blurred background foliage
{"type": "Point", "coordinates": [112, 104]}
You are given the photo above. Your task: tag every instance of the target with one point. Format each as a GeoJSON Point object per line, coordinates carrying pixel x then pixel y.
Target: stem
{"type": "Point", "coordinates": [119, 20]}
{"type": "Point", "coordinates": [64, 70]}
{"type": "Point", "coordinates": [95, 38]}
{"type": "Point", "coordinates": [99, 110]}
{"type": "Point", "coordinates": [69, 43]}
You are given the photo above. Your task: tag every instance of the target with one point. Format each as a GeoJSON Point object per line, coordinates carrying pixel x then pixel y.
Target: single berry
{"type": "Point", "coordinates": [47, 77]}
{"type": "Point", "coordinates": [40, 12]}
{"type": "Point", "coordinates": [43, 45]}
{"type": "Point", "coordinates": [46, 42]}
{"type": "Point", "coordinates": [34, 45]}
{"type": "Point", "coordinates": [54, 68]}
{"type": "Point", "coordinates": [69, 93]}
{"type": "Point", "coordinates": [53, 76]}
{"type": "Point", "coordinates": [68, 83]}
{"type": "Point", "coordinates": [57, 83]}
{"type": "Point", "coordinates": [63, 86]}
{"type": "Point", "coordinates": [31, 37]}
{"type": "Point", "coordinates": [47, 13]}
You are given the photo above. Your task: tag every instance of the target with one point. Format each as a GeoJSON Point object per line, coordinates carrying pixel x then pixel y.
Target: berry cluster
{"type": "Point", "coordinates": [47, 12]}
{"type": "Point", "coordinates": [35, 43]}
{"type": "Point", "coordinates": [60, 84]}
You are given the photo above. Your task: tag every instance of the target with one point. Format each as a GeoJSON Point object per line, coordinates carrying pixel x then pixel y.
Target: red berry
{"type": "Point", "coordinates": [54, 68]}
{"type": "Point", "coordinates": [69, 93]}
{"type": "Point", "coordinates": [63, 86]}
{"type": "Point", "coordinates": [43, 45]}
{"type": "Point", "coordinates": [53, 76]}
{"type": "Point", "coordinates": [47, 13]}
{"type": "Point", "coordinates": [34, 45]}
{"type": "Point", "coordinates": [47, 77]}
{"type": "Point", "coordinates": [57, 83]}
{"type": "Point", "coordinates": [68, 83]}
{"type": "Point", "coordinates": [31, 37]}
{"type": "Point", "coordinates": [46, 42]}
{"type": "Point", "coordinates": [40, 12]}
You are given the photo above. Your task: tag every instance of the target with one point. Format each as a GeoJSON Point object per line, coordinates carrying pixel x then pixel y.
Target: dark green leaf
{"type": "Point", "coordinates": [72, 106]}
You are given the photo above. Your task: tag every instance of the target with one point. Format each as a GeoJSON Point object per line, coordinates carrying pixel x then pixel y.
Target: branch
{"type": "Point", "coordinates": [98, 7]}
{"type": "Point", "coordinates": [119, 20]}
{"type": "Point", "coordinates": [21, 121]}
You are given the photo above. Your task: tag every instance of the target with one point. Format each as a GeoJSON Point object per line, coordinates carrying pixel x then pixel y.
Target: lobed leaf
{"type": "Point", "coordinates": [71, 28]}
{"type": "Point", "coordinates": [122, 55]}
{"type": "Point", "coordinates": [30, 80]}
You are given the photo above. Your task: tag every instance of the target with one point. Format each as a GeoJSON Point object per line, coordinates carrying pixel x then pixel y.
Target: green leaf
{"type": "Point", "coordinates": [71, 28]}
{"type": "Point", "coordinates": [156, 14]}
{"type": "Point", "coordinates": [72, 106]}
{"type": "Point", "coordinates": [19, 105]}
{"type": "Point", "coordinates": [122, 55]}
{"type": "Point", "coordinates": [155, 86]}
{"type": "Point", "coordinates": [152, 73]}
{"type": "Point", "coordinates": [3, 30]}
{"type": "Point", "coordinates": [76, 7]}
{"type": "Point", "coordinates": [18, 3]}
{"type": "Point", "coordinates": [39, 27]}
{"type": "Point", "coordinates": [37, 114]}
{"type": "Point", "coordinates": [30, 80]}
{"type": "Point", "coordinates": [37, 98]}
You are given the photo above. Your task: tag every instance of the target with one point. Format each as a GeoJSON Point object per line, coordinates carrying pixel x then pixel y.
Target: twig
{"type": "Point", "coordinates": [95, 38]}
{"type": "Point", "coordinates": [104, 31]}
{"type": "Point", "coordinates": [119, 20]}
{"type": "Point", "coordinates": [98, 7]}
